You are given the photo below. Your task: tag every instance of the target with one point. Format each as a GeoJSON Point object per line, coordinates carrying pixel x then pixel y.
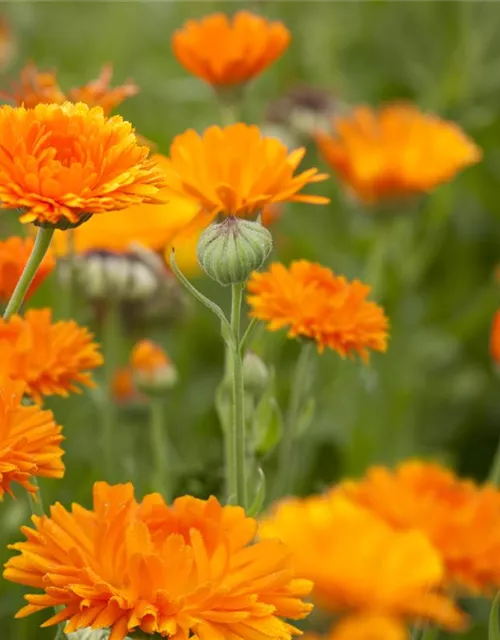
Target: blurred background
{"type": "Point", "coordinates": [435, 393]}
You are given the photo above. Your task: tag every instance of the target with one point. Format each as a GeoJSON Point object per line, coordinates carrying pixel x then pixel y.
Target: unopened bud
{"type": "Point", "coordinates": [255, 373]}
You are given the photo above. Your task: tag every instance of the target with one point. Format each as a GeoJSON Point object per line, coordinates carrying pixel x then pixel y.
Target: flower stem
{"type": "Point", "coordinates": [494, 475]}
{"type": "Point", "coordinates": [36, 505]}
{"type": "Point", "coordinates": [161, 477]}
{"type": "Point", "coordinates": [110, 346]}
{"type": "Point", "coordinates": [71, 283]}
{"type": "Point", "coordinates": [42, 242]}
{"type": "Point", "coordinates": [288, 449]}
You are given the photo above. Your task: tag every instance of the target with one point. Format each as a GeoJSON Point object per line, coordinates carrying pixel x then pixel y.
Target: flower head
{"type": "Point", "coordinates": [315, 303]}
{"type": "Point", "coordinates": [50, 357]}
{"type": "Point", "coordinates": [495, 338]}
{"type": "Point", "coordinates": [98, 93]}
{"type": "Point", "coordinates": [152, 368]}
{"type": "Point", "coordinates": [224, 51]}
{"type": "Point", "coordinates": [175, 571]}
{"type": "Point", "coordinates": [369, 627]}
{"type": "Point", "coordinates": [460, 519]}
{"type": "Point", "coordinates": [395, 151]}
{"type": "Point", "coordinates": [236, 171]}
{"type": "Point", "coordinates": [29, 439]}
{"type": "Point", "coordinates": [14, 254]}
{"type": "Point", "coordinates": [62, 163]}
{"type": "Point", "coordinates": [122, 385]}
{"type": "Point", "coordinates": [358, 563]}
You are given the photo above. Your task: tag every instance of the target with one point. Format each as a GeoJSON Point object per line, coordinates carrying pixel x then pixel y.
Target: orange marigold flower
{"type": "Point", "coordinates": [369, 627]}
{"type": "Point", "coordinates": [176, 571]}
{"type": "Point", "coordinates": [395, 151]}
{"type": "Point", "coordinates": [14, 254]}
{"type": "Point", "coordinates": [358, 563]}
{"type": "Point", "coordinates": [51, 357]}
{"type": "Point", "coordinates": [122, 385]}
{"type": "Point", "coordinates": [29, 439]}
{"type": "Point", "coordinates": [236, 171]}
{"type": "Point", "coordinates": [459, 518]}
{"type": "Point", "coordinates": [8, 44]}
{"type": "Point", "coordinates": [495, 338]}
{"type": "Point", "coordinates": [225, 52]}
{"type": "Point", "coordinates": [315, 303]}
{"type": "Point", "coordinates": [148, 357]}
{"type": "Point", "coordinates": [98, 93]}
{"type": "Point", "coordinates": [35, 87]}
{"type": "Point", "coordinates": [62, 163]}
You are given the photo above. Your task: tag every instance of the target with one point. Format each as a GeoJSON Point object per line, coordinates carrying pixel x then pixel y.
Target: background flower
{"type": "Point", "coordinates": [14, 254]}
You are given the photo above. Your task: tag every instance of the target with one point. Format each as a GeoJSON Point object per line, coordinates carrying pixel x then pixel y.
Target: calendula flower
{"type": "Point", "coordinates": [358, 563]}
{"type": "Point", "coordinates": [153, 369]}
{"type": "Point", "coordinates": [8, 43]}
{"type": "Point", "coordinates": [369, 627]}
{"type": "Point", "coordinates": [224, 51]}
{"type": "Point", "coordinates": [458, 517]}
{"type": "Point", "coordinates": [236, 171]}
{"type": "Point", "coordinates": [313, 302]}
{"type": "Point", "coordinates": [61, 163]}
{"type": "Point", "coordinates": [395, 151]}
{"type": "Point", "coordinates": [14, 254]}
{"type": "Point", "coordinates": [50, 357]}
{"type": "Point", "coordinates": [122, 385]}
{"type": "Point", "coordinates": [495, 338]}
{"type": "Point", "coordinates": [175, 571]}
{"type": "Point", "coordinates": [98, 93]}
{"type": "Point", "coordinates": [30, 440]}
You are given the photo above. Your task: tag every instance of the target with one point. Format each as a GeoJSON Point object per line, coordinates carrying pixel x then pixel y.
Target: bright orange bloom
{"type": "Point", "coordinates": [395, 151]}
{"type": "Point", "coordinates": [14, 254]}
{"type": "Point", "coordinates": [98, 93]}
{"type": "Point", "coordinates": [122, 385]}
{"type": "Point", "coordinates": [29, 439]}
{"type": "Point", "coordinates": [315, 303]}
{"type": "Point", "coordinates": [225, 51]}
{"type": "Point", "coordinates": [148, 357]}
{"type": "Point", "coordinates": [51, 357]}
{"type": "Point", "coordinates": [495, 338]}
{"type": "Point", "coordinates": [65, 162]}
{"type": "Point", "coordinates": [236, 171]}
{"type": "Point", "coordinates": [177, 571]}
{"type": "Point", "coordinates": [358, 563]}
{"type": "Point", "coordinates": [369, 627]}
{"type": "Point", "coordinates": [459, 518]}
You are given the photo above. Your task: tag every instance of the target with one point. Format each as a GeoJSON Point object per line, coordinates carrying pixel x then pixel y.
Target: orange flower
{"type": "Point", "coordinates": [395, 151]}
{"type": "Point", "coordinates": [315, 303]}
{"type": "Point", "coordinates": [52, 358]}
{"type": "Point", "coordinates": [358, 563]}
{"type": "Point", "coordinates": [98, 93]}
{"type": "Point", "coordinates": [180, 571]}
{"type": "Point", "coordinates": [148, 357]}
{"type": "Point", "coordinates": [122, 385]}
{"type": "Point", "coordinates": [62, 163]}
{"type": "Point", "coordinates": [369, 627]}
{"type": "Point", "coordinates": [236, 171]}
{"type": "Point", "coordinates": [459, 518]}
{"type": "Point", "coordinates": [14, 254]}
{"type": "Point", "coordinates": [495, 338]}
{"type": "Point", "coordinates": [29, 439]}
{"type": "Point", "coordinates": [35, 87]}
{"type": "Point", "coordinates": [229, 52]}
{"type": "Point", "coordinates": [8, 43]}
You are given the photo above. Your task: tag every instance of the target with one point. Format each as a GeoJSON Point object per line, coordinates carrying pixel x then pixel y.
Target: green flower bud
{"type": "Point", "coordinates": [229, 251]}
{"type": "Point", "coordinates": [255, 373]}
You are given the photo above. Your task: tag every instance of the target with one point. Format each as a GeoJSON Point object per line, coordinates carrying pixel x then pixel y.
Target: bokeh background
{"type": "Point", "coordinates": [436, 392]}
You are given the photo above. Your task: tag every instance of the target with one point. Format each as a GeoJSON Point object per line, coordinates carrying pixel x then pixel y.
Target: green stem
{"type": "Point", "coordinates": [42, 242]}
{"type": "Point", "coordinates": [161, 477]}
{"type": "Point", "coordinates": [288, 449]}
{"type": "Point", "coordinates": [237, 461]}
{"type": "Point", "coordinates": [426, 632]}
{"type": "Point", "coordinates": [71, 280]}
{"type": "Point", "coordinates": [246, 341]}
{"type": "Point", "coordinates": [36, 506]}
{"type": "Point", "coordinates": [494, 475]}
{"type": "Point", "coordinates": [110, 346]}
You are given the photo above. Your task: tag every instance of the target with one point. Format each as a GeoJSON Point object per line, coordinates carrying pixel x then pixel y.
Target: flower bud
{"type": "Point", "coordinates": [153, 371]}
{"type": "Point", "coordinates": [255, 373]}
{"type": "Point", "coordinates": [229, 251]}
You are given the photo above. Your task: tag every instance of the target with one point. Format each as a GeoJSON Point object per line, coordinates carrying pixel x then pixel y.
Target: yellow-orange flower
{"type": "Point", "coordinates": [236, 171]}
{"type": "Point", "coordinates": [176, 571]}
{"type": "Point", "coordinates": [358, 563]}
{"type": "Point", "coordinates": [8, 44]}
{"type": "Point", "coordinates": [29, 439]}
{"type": "Point", "coordinates": [148, 357]}
{"type": "Point", "coordinates": [315, 303]}
{"type": "Point", "coordinates": [495, 338]}
{"type": "Point", "coordinates": [14, 254]}
{"type": "Point", "coordinates": [98, 93]}
{"type": "Point", "coordinates": [51, 357]}
{"type": "Point", "coordinates": [224, 51]}
{"type": "Point", "coordinates": [369, 627]}
{"type": "Point", "coordinates": [122, 385]}
{"type": "Point", "coordinates": [459, 518]}
{"type": "Point", "coordinates": [395, 151]}
{"type": "Point", "coordinates": [64, 162]}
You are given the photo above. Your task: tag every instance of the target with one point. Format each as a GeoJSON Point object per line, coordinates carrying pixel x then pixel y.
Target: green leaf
{"type": "Point", "coordinates": [494, 626]}
{"type": "Point", "coordinates": [260, 494]}
{"type": "Point", "coordinates": [267, 425]}
{"type": "Point", "coordinates": [305, 418]}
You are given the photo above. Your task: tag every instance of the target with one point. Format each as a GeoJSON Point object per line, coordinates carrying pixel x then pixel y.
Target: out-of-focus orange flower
{"type": "Point", "coordinates": [7, 43]}
{"type": "Point", "coordinates": [358, 563]}
{"type": "Point", "coordinates": [236, 171]}
{"type": "Point", "coordinates": [395, 151]}
{"type": "Point", "coordinates": [122, 385]}
{"type": "Point", "coordinates": [62, 163]}
{"type": "Point", "coordinates": [29, 439]}
{"type": "Point", "coordinates": [224, 51]}
{"type": "Point", "coordinates": [180, 571]}
{"type": "Point", "coordinates": [148, 357]}
{"type": "Point", "coordinates": [495, 338]}
{"type": "Point", "coordinates": [51, 357]}
{"type": "Point", "coordinates": [369, 627]}
{"type": "Point", "coordinates": [315, 303]}
{"type": "Point", "coordinates": [98, 93]}
{"type": "Point", "coordinates": [14, 254]}
{"type": "Point", "coordinates": [459, 518]}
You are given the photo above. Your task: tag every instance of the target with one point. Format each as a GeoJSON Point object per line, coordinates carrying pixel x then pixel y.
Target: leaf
{"type": "Point", "coordinates": [260, 494]}
{"type": "Point", "coordinates": [494, 626]}
{"type": "Point", "coordinates": [305, 418]}
{"type": "Point", "coordinates": [267, 425]}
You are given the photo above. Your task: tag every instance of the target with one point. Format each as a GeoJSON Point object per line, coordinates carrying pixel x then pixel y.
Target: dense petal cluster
{"type": "Point", "coordinates": [236, 171]}
{"type": "Point", "coordinates": [176, 571]}
{"type": "Point", "coordinates": [461, 519]}
{"type": "Point", "coordinates": [30, 440]}
{"type": "Point", "coordinates": [358, 563]}
{"type": "Point", "coordinates": [14, 254]}
{"type": "Point", "coordinates": [312, 302]}
{"type": "Point", "coordinates": [224, 51]}
{"type": "Point", "coordinates": [50, 357]}
{"type": "Point", "coordinates": [65, 162]}
{"type": "Point", "coordinates": [395, 151]}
